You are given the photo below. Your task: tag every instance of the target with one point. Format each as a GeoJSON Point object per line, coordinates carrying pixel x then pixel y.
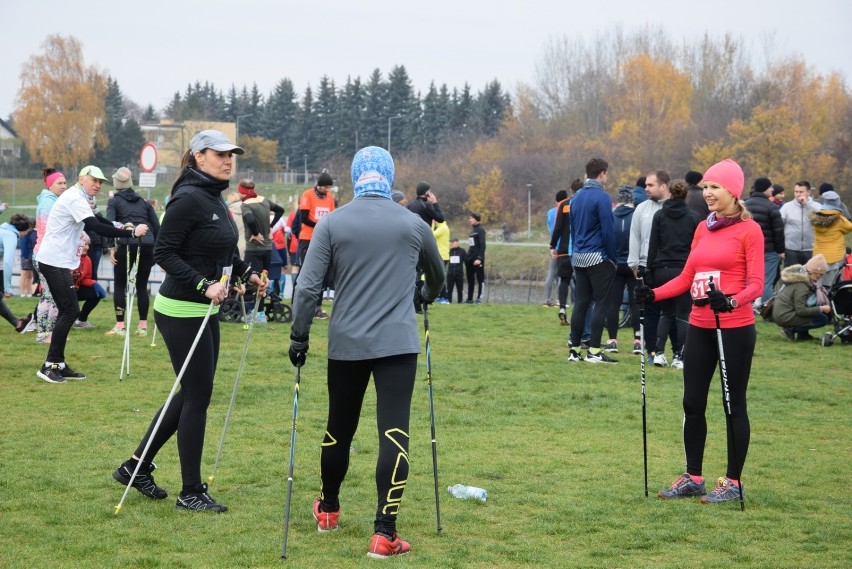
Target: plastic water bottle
{"type": "Point", "coordinates": [462, 491]}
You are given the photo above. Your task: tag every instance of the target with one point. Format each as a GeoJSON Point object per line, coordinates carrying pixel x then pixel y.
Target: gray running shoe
{"type": "Point", "coordinates": [683, 487]}
{"type": "Point", "coordinates": [725, 491]}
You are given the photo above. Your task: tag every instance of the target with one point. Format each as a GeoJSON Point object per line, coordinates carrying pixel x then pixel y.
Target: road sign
{"type": "Point", "coordinates": [148, 158]}
{"type": "Point", "coordinates": [147, 179]}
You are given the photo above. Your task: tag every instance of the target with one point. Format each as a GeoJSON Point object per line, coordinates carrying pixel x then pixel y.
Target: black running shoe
{"type": "Point", "coordinates": [51, 373]}
{"type": "Point", "coordinates": [143, 482]}
{"type": "Point", "coordinates": [69, 373]}
{"type": "Point", "coordinates": [199, 501]}
{"type": "Point", "coordinates": [24, 323]}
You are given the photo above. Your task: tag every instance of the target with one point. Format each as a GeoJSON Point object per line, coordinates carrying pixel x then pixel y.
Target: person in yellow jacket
{"type": "Point", "coordinates": [442, 235]}
{"type": "Point", "coordinates": [830, 228]}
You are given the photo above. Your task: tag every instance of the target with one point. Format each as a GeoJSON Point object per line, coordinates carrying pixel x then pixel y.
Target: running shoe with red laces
{"type": "Point", "coordinates": [326, 521]}
{"type": "Point", "coordinates": [382, 547]}
{"type": "Point", "coordinates": [683, 487]}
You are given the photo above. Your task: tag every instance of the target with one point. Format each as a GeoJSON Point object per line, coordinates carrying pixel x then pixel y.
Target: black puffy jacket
{"type": "Point", "coordinates": [768, 216]}
{"type": "Point", "coordinates": [126, 206]}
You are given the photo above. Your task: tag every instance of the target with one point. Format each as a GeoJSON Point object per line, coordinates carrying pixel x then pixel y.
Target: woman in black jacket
{"type": "Point", "coordinates": [671, 241]}
{"type": "Point", "coordinates": [128, 207]}
{"type": "Point", "coordinates": [196, 246]}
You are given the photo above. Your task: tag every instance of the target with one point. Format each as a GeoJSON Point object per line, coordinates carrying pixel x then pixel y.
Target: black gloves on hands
{"type": "Point", "coordinates": [298, 350]}
{"type": "Point", "coordinates": [422, 298]}
{"type": "Point", "coordinates": [719, 302]}
{"type": "Point", "coordinates": [643, 294]}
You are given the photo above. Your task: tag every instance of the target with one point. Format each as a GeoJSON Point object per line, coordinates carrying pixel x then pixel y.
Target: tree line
{"type": "Point", "coordinates": [639, 100]}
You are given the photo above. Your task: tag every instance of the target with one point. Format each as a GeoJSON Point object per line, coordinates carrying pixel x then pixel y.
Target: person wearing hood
{"type": "Point", "coordinates": [130, 209]}
{"type": "Point", "coordinates": [196, 247]}
{"type": "Point", "coordinates": [830, 229]}
{"type": "Point", "coordinates": [671, 237]}
{"type": "Point", "coordinates": [371, 248]}
{"type": "Point", "coordinates": [825, 188]}
{"type": "Point", "coordinates": [802, 304]}
{"type": "Point", "coordinates": [727, 247]}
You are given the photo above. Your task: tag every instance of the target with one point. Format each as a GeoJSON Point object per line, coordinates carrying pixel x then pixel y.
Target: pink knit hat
{"type": "Point", "coordinates": [727, 174]}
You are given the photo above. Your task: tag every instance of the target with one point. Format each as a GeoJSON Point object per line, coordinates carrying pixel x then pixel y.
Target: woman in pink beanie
{"type": "Point", "coordinates": [728, 247]}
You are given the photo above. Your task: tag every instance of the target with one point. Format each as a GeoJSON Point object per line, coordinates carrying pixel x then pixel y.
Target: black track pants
{"type": "Point", "coordinates": [347, 382]}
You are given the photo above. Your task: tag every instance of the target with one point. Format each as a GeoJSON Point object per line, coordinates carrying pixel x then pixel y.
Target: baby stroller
{"type": "Point", "coordinates": [840, 297]}
{"type": "Point", "coordinates": [273, 307]}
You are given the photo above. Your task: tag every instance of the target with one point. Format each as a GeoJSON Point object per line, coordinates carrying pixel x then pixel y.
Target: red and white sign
{"type": "Point", "coordinates": [148, 157]}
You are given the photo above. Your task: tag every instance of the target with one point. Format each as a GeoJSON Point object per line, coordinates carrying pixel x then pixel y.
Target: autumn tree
{"type": "Point", "coordinates": [60, 107]}
{"type": "Point", "coordinates": [261, 154]}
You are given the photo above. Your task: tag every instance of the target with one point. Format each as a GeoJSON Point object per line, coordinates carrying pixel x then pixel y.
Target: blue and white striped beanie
{"type": "Point", "coordinates": [372, 172]}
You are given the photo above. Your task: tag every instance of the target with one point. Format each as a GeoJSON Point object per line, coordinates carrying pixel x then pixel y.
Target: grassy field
{"type": "Point", "coordinates": [558, 446]}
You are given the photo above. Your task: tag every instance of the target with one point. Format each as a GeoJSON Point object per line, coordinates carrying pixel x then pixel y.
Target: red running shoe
{"type": "Point", "coordinates": [326, 521]}
{"type": "Point", "coordinates": [381, 547]}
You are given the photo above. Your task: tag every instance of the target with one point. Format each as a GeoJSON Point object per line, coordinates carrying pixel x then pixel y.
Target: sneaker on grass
{"type": "Point", "coordinates": [573, 355]}
{"type": "Point", "coordinates": [51, 373]}
{"type": "Point", "coordinates": [725, 491]}
{"type": "Point", "coordinates": [69, 373]}
{"type": "Point", "coordinates": [683, 487]}
{"type": "Point", "coordinates": [612, 346]}
{"type": "Point", "coordinates": [143, 482]}
{"type": "Point", "coordinates": [563, 317]}
{"type": "Point", "coordinates": [115, 331]}
{"type": "Point", "coordinates": [326, 521]}
{"type": "Point", "coordinates": [199, 501]}
{"type": "Point", "coordinates": [84, 324]}
{"type": "Point", "coordinates": [660, 360]}
{"type": "Point", "coordinates": [26, 324]}
{"type": "Point", "coordinates": [599, 358]}
{"type": "Point", "coordinates": [141, 331]}
{"type": "Point", "coordinates": [637, 347]}
{"type": "Point", "coordinates": [382, 546]}
{"type": "Point", "coordinates": [677, 362]}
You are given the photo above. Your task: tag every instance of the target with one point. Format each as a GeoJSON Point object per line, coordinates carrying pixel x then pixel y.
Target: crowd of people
{"type": "Point", "coordinates": [692, 259]}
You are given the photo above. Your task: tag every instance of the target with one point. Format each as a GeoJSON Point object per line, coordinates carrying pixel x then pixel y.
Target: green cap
{"type": "Point", "coordinates": [94, 172]}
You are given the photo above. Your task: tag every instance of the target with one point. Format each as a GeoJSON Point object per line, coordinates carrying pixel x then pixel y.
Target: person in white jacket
{"type": "Point", "coordinates": [798, 231]}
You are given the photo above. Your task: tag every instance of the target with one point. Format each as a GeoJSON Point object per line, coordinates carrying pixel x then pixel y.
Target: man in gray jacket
{"type": "Point", "coordinates": [370, 248]}
{"type": "Point", "coordinates": [798, 231]}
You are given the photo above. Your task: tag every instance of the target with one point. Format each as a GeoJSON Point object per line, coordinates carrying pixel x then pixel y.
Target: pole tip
{"type": "Point", "coordinates": [211, 478]}
{"type": "Point", "coordinates": [117, 509]}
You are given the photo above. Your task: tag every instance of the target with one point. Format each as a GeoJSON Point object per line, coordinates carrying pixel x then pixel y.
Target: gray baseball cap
{"type": "Point", "coordinates": [215, 140]}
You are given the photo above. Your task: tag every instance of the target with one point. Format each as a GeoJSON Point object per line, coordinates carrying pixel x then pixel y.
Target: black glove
{"type": "Point", "coordinates": [298, 350]}
{"type": "Point", "coordinates": [719, 302]}
{"type": "Point", "coordinates": [643, 294]}
{"type": "Point", "coordinates": [422, 298]}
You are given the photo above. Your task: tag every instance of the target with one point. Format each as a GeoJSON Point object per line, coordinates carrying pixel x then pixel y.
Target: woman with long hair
{"type": "Point", "coordinates": [724, 274]}
{"type": "Point", "coordinates": [196, 247]}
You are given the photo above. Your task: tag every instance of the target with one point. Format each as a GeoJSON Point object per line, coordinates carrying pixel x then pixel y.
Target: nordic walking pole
{"type": "Point", "coordinates": [292, 460]}
{"type": "Point", "coordinates": [128, 311]}
{"type": "Point", "coordinates": [154, 336]}
{"type": "Point", "coordinates": [642, 372]}
{"type": "Point", "coordinates": [723, 372]}
{"type": "Point", "coordinates": [432, 416]}
{"type": "Point", "coordinates": [223, 281]}
{"type": "Point", "coordinates": [236, 386]}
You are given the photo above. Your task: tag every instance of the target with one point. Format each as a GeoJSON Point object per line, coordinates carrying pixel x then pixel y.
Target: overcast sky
{"type": "Point", "coordinates": [157, 47]}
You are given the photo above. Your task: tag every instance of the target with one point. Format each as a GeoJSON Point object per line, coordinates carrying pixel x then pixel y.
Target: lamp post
{"type": "Point", "coordinates": [389, 129]}
{"type": "Point", "coordinates": [529, 211]}
{"type": "Point", "coordinates": [306, 169]}
{"type": "Point", "coordinates": [237, 137]}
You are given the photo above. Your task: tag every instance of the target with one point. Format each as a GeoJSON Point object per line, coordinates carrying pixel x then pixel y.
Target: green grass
{"type": "Point", "coordinates": [558, 446]}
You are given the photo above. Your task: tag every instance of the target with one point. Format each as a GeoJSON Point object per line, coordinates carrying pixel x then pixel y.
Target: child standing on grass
{"type": "Point", "coordinates": [728, 247]}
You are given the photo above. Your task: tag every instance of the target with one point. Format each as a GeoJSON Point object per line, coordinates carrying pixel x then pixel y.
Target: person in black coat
{"type": "Point", "coordinates": [768, 215]}
{"type": "Point", "coordinates": [426, 205]}
{"type": "Point", "coordinates": [475, 258]}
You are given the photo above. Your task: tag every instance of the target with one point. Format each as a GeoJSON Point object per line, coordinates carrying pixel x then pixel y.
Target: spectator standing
{"type": "Point", "coordinates": [57, 256]}
{"type": "Point", "coordinates": [622, 217]}
{"type": "Point", "coordinates": [671, 239]}
{"type": "Point", "coordinates": [798, 230]}
{"type": "Point", "coordinates": [593, 259]}
{"type": "Point", "coordinates": [256, 210]}
{"type": "Point", "coordinates": [475, 258]}
{"type": "Point", "coordinates": [129, 209]}
{"type": "Point", "coordinates": [54, 185]}
{"type": "Point", "coordinates": [695, 195]}
{"type": "Point", "coordinates": [830, 229]}
{"type": "Point", "coordinates": [794, 310]}
{"type": "Point", "coordinates": [455, 270]}
{"type": "Point", "coordinates": [371, 248]}
{"type": "Point", "coordinates": [11, 232]}
{"type": "Point", "coordinates": [235, 206]}
{"type": "Point", "coordinates": [729, 247]}
{"type": "Point", "coordinates": [824, 188]}
{"type": "Point", "coordinates": [560, 249]}
{"type": "Point", "coordinates": [441, 231]}
{"type": "Point", "coordinates": [28, 278]}
{"type": "Point", "coordinates": [314, 204]}
{"type": "Point", "coordinates": [196, 246]}
{"type": "Point", "coordinates": [768, 217]}
{"type": "Point", "coordinates": [553, 264]}
{"type": "Point", "coordinates": [426, 204]}
{"type": "Point", "coordinates": [777, 196]}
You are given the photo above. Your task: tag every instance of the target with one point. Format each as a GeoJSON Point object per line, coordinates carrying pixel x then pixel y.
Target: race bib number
{"type": "Point", "coordinates": [471, 241]}
{"type": "Point", "coordinates": [701, 284]}
{"type": "Point", "coordinates": [228, 271]}
{"type": "Point", "coordinates": [321, 211]}
{"type": "Point", "coordinates": [455, 260]}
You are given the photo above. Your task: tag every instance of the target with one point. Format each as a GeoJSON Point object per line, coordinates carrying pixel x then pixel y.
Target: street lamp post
{"type": "Point", "coordinates": [529, 211]}
{"type": "Point", "coordinates": [237, 137]}
{"type": "Point", "coordinates": [389, 129]}
{"type": "Point", "coordinates": [306, 169]}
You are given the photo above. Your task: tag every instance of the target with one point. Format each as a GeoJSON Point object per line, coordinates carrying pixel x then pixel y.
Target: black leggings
{"type": "Point", "coordinates": [347, 382]}
{"type": "Point", "coordinates": [475, 273]}
{"type": "Point", "coordinates": [700, 358]}
{"type": "Point", "coordinates": [674, 314]}
{"type": "Point", "coordinates": [455, 282]}
{"type": "Point", "coordinates": [146, 261]}
{"type": "Point", "coordinates": [623, 278]}
{"type": "Point", "coordinates": [187, 412]}
{"type": "Point", "coordinates": [61, 285]}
